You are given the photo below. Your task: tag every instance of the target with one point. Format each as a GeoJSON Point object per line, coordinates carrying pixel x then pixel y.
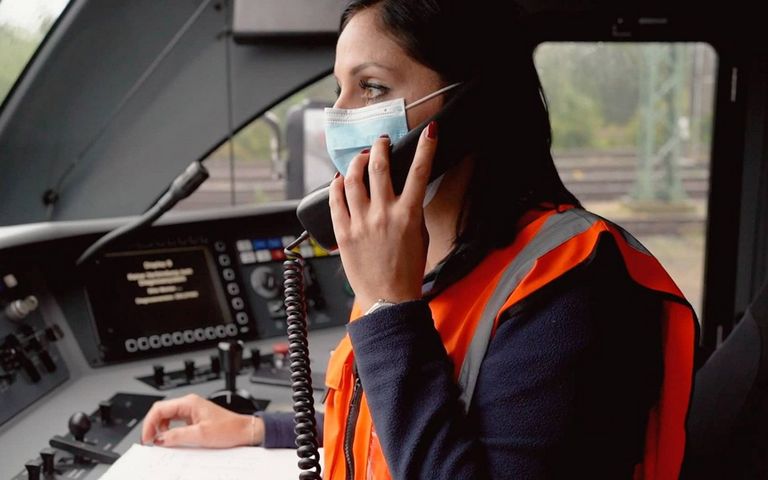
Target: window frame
{"type": "Point", "coordinates": [721, 249]}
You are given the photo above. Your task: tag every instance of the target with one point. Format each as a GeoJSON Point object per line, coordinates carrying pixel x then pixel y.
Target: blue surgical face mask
{"type": "Point", "coordinates": [348, 131]}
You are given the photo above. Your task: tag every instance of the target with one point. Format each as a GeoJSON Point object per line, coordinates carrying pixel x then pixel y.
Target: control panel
{"type": "Point", "coordinates": [30, 363]}
{"type": "Point", "coordinates": [188, 286]}
{"type": "Point", "coordinates": [327, 293]}
{"type": "Point", "coordinates": [164, 311]}
{"type": "Point", "coordinates": [91, 439]}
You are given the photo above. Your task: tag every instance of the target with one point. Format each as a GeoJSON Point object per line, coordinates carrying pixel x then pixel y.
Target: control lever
{"type": "Point", "coordinates": [36, 345]}
{"type": "Point", "coordinates": [26, 364]}
{"type": "Point", "coordinates": [231, 358]}
{"type": "Point", "coordinates": [83, 450]}
{"type": "Point", "coordinates": [79, 425]}
{"type": "Point", "coordinates": [13, 351]}
{"type": "Point", "coordinates": [233, 398]}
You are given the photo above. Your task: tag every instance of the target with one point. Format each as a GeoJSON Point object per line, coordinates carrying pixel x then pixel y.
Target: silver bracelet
{"type": "Point", "coordinates": [380, 303]}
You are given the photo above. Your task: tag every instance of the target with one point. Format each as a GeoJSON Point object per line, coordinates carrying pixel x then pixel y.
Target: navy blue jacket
{"type": "Point", "coordinates": [564, 389]}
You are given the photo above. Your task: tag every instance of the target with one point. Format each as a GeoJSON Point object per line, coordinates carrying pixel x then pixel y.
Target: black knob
{"type": "Point", "coordinates": [189, 370]}
{"type": "Point", "coordinates": [79, 424]}
{"type": "Point", "coordinates": [105, 412]}
{"type": "Point", "coordinates": [255, 358]}
{"type": "Point", "coordinates": [34, 467]}
{"type": "Point", "coordinates": [215, 364]}
{"type": "Point", "coordinates": [49, 460]}
{"type": "Point", "coordinates": [264, 282]}
{"type": "Point", "coordinates": [159, 375]}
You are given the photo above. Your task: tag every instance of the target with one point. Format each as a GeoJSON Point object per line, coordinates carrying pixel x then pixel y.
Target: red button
{"type": "Point", "coordinates": [280, 348]}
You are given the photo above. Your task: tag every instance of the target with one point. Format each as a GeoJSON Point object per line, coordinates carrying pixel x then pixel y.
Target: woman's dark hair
{"type": "Point", "coordinates": [475, 39]}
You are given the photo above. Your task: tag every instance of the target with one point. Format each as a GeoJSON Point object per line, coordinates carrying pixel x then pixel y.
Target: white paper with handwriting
{"type": "Point", "coordinates": [252, 463]}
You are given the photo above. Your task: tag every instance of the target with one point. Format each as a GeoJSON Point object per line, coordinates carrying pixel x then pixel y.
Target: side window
{"type": "Point", "coordinates": [632, 134]}
{"type": "Point", "coordinates": [23, 26]}
{"type": "Point", "coordinates": [277, 156]}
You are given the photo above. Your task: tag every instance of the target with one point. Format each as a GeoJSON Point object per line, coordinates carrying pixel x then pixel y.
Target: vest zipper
{"type": "Point", "coordinates": [349, 432]}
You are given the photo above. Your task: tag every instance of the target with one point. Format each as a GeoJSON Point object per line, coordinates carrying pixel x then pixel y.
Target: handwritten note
{"type": "Point", "coordinates": [160, 463]}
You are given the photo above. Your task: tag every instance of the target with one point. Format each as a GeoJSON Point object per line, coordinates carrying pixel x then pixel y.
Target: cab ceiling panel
{"type": "Point", "coordinates": [124, 95]}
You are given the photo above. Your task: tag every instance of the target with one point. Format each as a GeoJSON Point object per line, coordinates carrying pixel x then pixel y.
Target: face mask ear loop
{"type": "Point", "coordinates": [432, 95]}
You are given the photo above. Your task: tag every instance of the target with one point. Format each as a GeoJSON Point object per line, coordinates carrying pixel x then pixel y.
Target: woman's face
{"type": "Point", "coordinates": [371, 67]}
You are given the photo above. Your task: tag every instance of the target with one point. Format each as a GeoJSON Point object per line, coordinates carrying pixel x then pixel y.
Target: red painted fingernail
{"type": "Point", "coordinates": [367, 150]}
{"type": "Point", "coordinates": [432, 130]}
{"type": "Point", "coordinates": [159, 441]}
{"type": "Point", "coordinates": [383, 135]}
{"type": "Point", "coordinates": [336, 175]}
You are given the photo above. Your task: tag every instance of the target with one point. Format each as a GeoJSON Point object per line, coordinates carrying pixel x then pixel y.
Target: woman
{"type": "Point", "coordinates": [507, 333]}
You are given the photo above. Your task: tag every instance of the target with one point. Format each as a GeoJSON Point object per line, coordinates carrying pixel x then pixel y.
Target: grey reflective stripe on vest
{"type": "Point", "coordinates": [558, 229]}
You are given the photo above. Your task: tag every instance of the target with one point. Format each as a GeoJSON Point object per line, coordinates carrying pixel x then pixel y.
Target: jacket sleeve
{"type": "Point", "coordinates": [278, 429]}
{"type": "Point", "coordinates": [527, 377]}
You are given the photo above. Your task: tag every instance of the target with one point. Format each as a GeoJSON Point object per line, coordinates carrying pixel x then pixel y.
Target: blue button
{"type": "Point", "coordinates": [274, 243]}
{"type": "Point", "coordinates": [260, 244]}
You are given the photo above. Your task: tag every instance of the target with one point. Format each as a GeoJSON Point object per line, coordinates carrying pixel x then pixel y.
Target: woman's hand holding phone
{"type": "Point", "coordinates": [381, 237]}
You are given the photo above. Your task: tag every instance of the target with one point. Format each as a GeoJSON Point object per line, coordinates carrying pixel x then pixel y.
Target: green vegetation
{"type": "Point", "coordinates": [16, 48]}
{"type": "Point", "coordinates": [596, 98]}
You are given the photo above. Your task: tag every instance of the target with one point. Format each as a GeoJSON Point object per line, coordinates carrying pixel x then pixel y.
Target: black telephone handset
{"type": "Point", "coordinates": [459, 131]}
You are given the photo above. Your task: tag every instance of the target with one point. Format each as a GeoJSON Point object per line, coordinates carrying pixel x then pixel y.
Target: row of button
{"type": "Point", "coordinates": [264, 243]}
{"type": "Point", "coordinates": [233, 289]}
{"type": "Point", "coordinates": [263, 250]}
{"type": "Point", "coordinates": [153, 342]}
{"type": "Point", "coordinates": [263, 256]}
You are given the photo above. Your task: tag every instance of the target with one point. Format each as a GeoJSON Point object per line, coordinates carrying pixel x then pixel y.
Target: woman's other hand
{"type": "Point", "coordinates": [382, 238]}
{"type": "Point", "coordinates": [208, 425]}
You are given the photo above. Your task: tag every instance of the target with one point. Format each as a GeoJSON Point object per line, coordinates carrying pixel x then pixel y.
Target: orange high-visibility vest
{"type": "Point", "coordinates": [467, 313]}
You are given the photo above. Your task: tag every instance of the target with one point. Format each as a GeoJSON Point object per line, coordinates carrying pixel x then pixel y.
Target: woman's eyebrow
{"type": "Point", "coordinates": [365, 65]}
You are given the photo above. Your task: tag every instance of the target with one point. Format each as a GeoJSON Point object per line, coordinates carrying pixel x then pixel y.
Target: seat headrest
{"type": "Point", "coordinates": [759, 305]}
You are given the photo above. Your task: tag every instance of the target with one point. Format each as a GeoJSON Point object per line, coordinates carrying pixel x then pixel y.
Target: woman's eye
{"type": "Point", "coordinates": [372, 91]}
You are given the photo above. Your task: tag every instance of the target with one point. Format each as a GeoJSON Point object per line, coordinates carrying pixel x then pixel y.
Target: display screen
{"type": "Point", "coordinates": [156, 299]}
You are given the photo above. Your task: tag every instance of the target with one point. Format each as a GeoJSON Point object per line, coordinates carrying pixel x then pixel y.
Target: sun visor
{"type": "Point", "coordinates": [275, 19]}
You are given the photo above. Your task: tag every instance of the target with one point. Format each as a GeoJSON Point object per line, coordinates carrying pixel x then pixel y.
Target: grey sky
{"type": "Point", "coordinates": [29, 14]}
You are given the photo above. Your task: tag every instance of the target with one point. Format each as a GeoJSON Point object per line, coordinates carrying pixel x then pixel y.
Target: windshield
{"type": "Point", "coordinates": [23, 26]}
